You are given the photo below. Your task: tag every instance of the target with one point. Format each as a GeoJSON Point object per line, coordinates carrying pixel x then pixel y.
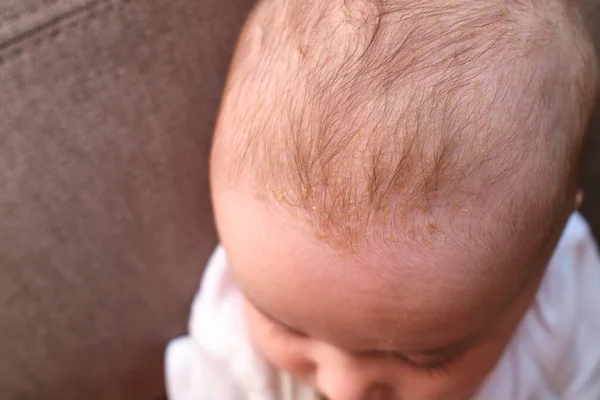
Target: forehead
{"type": "Point", "coordinates": [409, 296]}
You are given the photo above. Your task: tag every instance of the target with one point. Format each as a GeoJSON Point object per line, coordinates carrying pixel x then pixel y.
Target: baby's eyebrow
{"type": "Point", "coordinates": [428, 358]}
{"type": "Point", "coordinates": [445, 350]}
{"type": "Point", "coordinates": [271, 317]}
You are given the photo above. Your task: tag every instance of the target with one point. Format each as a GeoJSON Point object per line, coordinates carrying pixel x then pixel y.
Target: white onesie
{"type": "Point", "coordinates": [554, 355]}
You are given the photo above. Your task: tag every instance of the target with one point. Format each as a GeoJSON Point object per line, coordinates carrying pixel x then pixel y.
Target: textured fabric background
{"type": "Point", "coordinates": [106, 112]}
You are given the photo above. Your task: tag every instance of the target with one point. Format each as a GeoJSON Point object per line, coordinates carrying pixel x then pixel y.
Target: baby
{"type": "Point", "coordinates": [392, 180]}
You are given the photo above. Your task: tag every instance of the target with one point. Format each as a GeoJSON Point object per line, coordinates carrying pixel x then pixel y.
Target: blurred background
{"type": "Point", "coordinates": [591, 169]}
{"type": "Point", "coordinates": [106, 114]}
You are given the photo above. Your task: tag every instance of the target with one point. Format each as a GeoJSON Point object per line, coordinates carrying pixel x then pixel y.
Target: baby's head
{"type": "Point", "coordinates": [390, 179]}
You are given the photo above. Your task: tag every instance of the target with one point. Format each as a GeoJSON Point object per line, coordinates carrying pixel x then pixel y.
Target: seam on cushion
{"type": "Point", "coordinates": [18, 16]}
{"type": "Point", "coordinates": [55, 28]}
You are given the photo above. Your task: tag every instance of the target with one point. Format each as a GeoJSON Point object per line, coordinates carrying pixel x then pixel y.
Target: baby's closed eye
{"type": "Point", "coordinates": [426, 363]}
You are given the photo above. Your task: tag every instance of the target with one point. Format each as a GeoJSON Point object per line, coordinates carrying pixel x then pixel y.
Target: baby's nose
{"type": "Point", "coordinates": [342, 377]}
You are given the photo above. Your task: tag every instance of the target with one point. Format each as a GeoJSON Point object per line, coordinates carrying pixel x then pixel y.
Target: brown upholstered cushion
{"type": "Point", "coordinates": [106, 112]}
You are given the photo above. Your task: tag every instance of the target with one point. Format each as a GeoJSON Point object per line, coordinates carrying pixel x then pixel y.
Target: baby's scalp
{"type": "Point", "coordinates": [351, 114]}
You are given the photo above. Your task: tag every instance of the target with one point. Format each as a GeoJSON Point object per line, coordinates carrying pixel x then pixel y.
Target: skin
{"type": "Point", "coordinates": [402, 321]}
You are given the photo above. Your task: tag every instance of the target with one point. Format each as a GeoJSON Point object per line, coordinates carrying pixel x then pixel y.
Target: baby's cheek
{"type": "Point", "coordinates": [278, 347]}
